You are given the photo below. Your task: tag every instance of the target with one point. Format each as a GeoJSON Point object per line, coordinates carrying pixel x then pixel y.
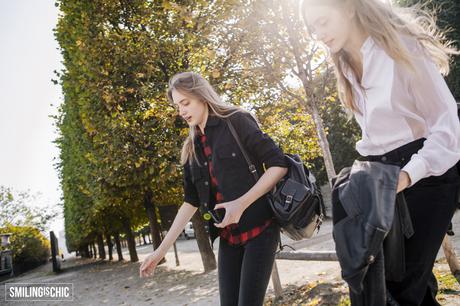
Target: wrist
{"type": "Point", "coordinates": [161, 250]}
{"type": "Point", "coordinates": [407, 178]}
{"type": "Point", "coordinates": [244, 203]}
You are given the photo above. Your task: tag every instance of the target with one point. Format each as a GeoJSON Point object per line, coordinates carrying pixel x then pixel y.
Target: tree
{"type": "Point", "coordinates": [446, 13]}
{"type": "Point", "coordinates": [286, 63]}
{"type": "Point", "coordinates": [29, 246]}
{"type": "Point", "coordinates": [17, 208]}
{"type": "Point", "coordinates": [120, 139]}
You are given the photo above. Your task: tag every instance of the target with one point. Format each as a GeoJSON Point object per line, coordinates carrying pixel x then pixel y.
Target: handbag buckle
{"type": "Point", "coordinates": [289, 199]}
{"type": "Point", "coordinates": [252, 168]}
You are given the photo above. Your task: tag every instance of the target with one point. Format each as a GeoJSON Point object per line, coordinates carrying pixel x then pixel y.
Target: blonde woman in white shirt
{"type": "Point", "coordinates": [388, 65]}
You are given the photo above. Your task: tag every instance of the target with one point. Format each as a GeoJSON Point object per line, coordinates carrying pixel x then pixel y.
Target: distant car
{"type": "Point", "coordinates": [189, 232]}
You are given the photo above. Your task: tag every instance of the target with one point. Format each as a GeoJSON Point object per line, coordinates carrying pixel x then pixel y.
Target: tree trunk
{"type": "Point", "coordinates": [153, 222]}
{"type": "Point", "coordinates": [306, 78]}
{"type": "Point", "coordinates": [94, 250]}
{"type": "Point", "coordinates": [100, 246]}
{"type": "Point", "coordinates": [85, 252]}
{"type": "Point", "coordinates": [204, 244]}
{"type": "Point", "coordinates": [118, 244]}
{"type": "Point", "coordinates": [322, 138]}
{"type": "Point", "coordinates": [176, 255]}
{"type": "Point", "coordinates": [108, 240]}
{"type": "Point", "coordinates": [276, 280]}
{"type": "Point", "coordinates": [131, 241]}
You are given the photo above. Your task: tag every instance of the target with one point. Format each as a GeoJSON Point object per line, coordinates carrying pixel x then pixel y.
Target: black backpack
{"type": "Point", "coordinates": [296, 201]}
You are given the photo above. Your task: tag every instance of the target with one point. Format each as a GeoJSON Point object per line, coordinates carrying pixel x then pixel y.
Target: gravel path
{"type": "Point", "coordinates": [99, 282]}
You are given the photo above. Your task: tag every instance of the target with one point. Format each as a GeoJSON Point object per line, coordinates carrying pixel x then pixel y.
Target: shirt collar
{"type": "Point", "coordinates": [212, 121]}
{"type": "Point", "coordinates": [365, 49]}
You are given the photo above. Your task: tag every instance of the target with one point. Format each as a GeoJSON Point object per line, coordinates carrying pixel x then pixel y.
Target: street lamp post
{"type": "Point", "coordinates": [6, 256]}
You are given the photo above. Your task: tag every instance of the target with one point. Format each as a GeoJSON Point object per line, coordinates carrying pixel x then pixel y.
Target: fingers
{"type": "Point", "coordinates": [224, 222]}
{"type": "Point", "coordinates": [145, 272]}
{"type": "Point", "coordinates": [146, 268]}
{"type": "Point", "coordinates": [143, 265]}
{"type": "Point", "coordinates": [142, 271]}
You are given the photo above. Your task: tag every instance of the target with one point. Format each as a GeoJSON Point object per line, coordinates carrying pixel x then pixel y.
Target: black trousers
{"type": "Point", "coordinates": [244, 271]}
{"type": "Point", "coordinates": [432, 202]}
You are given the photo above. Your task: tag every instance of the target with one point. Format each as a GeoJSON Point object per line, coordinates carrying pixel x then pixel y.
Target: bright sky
{"type": "Point", "coordinates": [28, 57]}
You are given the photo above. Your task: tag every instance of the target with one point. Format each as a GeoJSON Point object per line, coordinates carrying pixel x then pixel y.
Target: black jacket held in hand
{"type": "Point", "coordinates": [230, 168]}
{"type": "Point", "coordinates": [364, 202]}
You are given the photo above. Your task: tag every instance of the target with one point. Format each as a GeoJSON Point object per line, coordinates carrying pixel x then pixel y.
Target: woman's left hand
{"type": "Point", "coordinates": [403, 181]}
{"type": "Point", "coordinates": [233, 211]}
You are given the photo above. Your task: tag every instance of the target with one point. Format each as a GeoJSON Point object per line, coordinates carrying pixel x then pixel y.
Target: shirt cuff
{"type": "Point", "coordinates": [275, 158]}
{"type": "Point", "coordinates": [416, 169]}
{"type": "Point", "coordinates": [192, 201]}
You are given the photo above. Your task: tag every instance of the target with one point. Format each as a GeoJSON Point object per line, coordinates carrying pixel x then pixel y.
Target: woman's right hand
{"type": "Point", "coordinates": [150, 263]}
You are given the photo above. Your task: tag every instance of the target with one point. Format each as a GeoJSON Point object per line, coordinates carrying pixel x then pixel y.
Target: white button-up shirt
{"type": "Point", "coordinates": [399, 106]}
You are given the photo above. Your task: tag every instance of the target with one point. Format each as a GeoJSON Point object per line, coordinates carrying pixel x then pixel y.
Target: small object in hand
{"type": "Point", "coordinates": [217, 215]}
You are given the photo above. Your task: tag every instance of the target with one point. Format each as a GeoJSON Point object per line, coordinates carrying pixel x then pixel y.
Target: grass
{"type": "Point", "coordinates": [449, 288]}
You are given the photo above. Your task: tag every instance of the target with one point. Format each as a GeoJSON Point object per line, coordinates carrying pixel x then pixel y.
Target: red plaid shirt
{"type": "Point", "coordinates": [230, 233]}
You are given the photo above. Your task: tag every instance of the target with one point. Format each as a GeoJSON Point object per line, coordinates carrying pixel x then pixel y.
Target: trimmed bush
{"type": "Point", "coordinates": [30, 248]}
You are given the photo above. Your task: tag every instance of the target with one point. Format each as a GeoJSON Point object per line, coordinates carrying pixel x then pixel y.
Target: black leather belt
{"type": "Point", "coordinates": [399, 156]}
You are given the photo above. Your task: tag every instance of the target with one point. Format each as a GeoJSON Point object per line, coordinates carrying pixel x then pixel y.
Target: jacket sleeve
{"type": "Point", "coordinates": [258, 144]}
{"type": "Point", "coordinates": [190, 192]}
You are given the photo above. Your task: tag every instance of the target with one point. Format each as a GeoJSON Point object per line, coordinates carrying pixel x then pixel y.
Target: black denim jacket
{"type": "Point", "coordinates": [230, 167]}
{"type": "Point", "coordinates": [365, 209]}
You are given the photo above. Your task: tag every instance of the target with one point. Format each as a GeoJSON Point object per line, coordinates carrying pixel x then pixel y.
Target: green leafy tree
{"type": "Point", "coordinates": [30, 248]}
{"type": "Point", "coordinates": [22, 209]}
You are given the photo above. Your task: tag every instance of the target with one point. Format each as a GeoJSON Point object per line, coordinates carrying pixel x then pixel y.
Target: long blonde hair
{"type": "Point", "coordinates": [384, 23]}
{"type": "Point", "coordinates": [194, 85]}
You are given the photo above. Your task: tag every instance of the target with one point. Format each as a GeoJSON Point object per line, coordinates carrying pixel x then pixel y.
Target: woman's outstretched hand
{"type": "Point", "coordinates": [150, 263]}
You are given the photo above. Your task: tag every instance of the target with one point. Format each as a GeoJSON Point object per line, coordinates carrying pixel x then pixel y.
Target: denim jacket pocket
{"type": "Point", "coordinates": [231, 158]}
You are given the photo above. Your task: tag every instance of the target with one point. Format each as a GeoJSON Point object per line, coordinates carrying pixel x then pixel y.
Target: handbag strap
{"type": "Point", "coordinates": [252, 168]}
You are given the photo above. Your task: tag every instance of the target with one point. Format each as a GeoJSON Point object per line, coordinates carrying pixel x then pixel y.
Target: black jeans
{"type": "Point", "coordinates": [244, 270]}
{"type": "Point", "coordinates": [431, 202]}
